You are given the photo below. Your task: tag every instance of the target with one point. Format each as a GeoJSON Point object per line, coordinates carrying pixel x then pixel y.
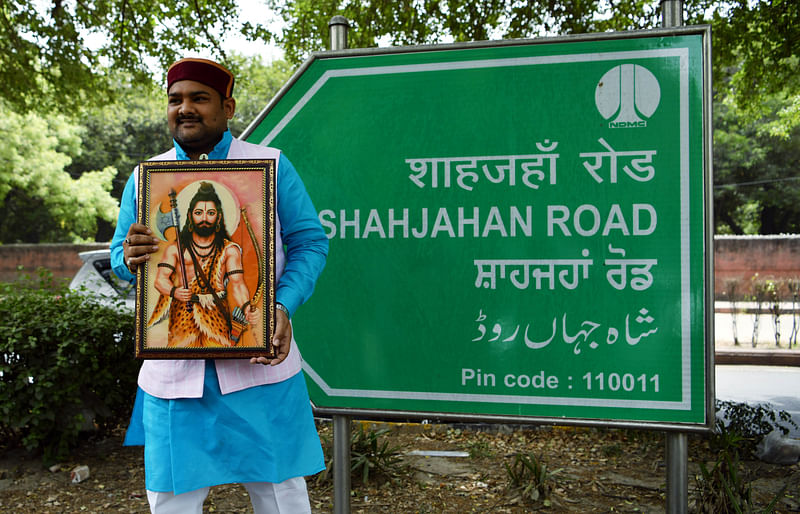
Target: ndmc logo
{"type": "Point", "coordinates": [627, 93]}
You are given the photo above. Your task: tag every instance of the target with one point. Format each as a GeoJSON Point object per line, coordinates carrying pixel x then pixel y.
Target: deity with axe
{"type": "Point", "coordinates": [201, 276]}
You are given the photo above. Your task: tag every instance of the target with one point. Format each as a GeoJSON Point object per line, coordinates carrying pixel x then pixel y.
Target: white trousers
{"type": "Point", "coordinates": [287, 497]}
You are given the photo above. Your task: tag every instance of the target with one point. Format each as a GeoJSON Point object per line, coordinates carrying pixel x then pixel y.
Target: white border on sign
{"type": "Point", "coordinates": [686, 378]}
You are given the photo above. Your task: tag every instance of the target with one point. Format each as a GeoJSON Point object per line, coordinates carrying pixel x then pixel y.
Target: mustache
{"type": "Point", "coordinates": [181, 119]}
{"type": "Point", "coordinates": [204, 224]}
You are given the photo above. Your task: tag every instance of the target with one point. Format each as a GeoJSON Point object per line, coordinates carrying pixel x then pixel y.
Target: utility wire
{"type": "Point", "coordinates": [756, 182]}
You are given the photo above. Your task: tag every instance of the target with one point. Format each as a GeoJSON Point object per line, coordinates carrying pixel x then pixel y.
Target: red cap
{"type": "Point", "coordinates": [210, 73]}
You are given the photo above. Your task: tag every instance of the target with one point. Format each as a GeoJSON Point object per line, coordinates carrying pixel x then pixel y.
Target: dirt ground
{"type": "Point", "coordinates": [593, 470]}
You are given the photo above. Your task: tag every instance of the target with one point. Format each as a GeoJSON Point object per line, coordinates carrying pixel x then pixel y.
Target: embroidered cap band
{"type": "Point", "coordinates": [210, 73]}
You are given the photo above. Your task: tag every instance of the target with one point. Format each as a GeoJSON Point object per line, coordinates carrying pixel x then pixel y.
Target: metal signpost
{"type": "Point", "coordinates": [341, 422]}
{"type": "Point", "coordinates": [519, 230]}
{"type": "Point", "coordinates": [677, 448]}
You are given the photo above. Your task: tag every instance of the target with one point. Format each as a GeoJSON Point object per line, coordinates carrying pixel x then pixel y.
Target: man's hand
{"type": "Point", "coordinates": [282, 340]}
{"type": "Point", "coordinates": [138, 246]}
{"type": "Point", "coordinates": [252, 315]}
{"type": "Point", "coordinates": [182, 294]}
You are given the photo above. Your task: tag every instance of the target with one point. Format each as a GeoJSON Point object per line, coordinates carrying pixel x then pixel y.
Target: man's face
{"type": "Point", "coordinates": [204, 217]}
{"type": "Point", "coordinates": [197, 116]}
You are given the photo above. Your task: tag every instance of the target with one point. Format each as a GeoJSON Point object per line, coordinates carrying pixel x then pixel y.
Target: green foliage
{"type": "Point", "coordinates": [529, 478]}
{"type": "Point", "coordinates": [369, 456]}
{"type": "Point", "coordinates": [408, 22]}
{"type": "Point", "coordinates": [758, 45]}
{"type": "Point", "coordinates": [47, 61]}
{"type": "Point", "coordinates": [480, 449]}
{"type": "Point", "coordinates": [744, 426]}
{"type": "Point", "coordinates": [260, 82]}
{"type": "Point", "coordinates": [727, 487]}
{"type": "Point", "coordinates": [67, 362]}
{"type": "Point", "coordinates": [119, 135]}
{"type": "Point", "coordinates": [756, 188]}
{"type": "Point", "coordinates": [122, 134]}
{"type": "Point", "coordinates": [39, 199]}
{"type": "Point", "coordinates": [722, 489]}
{"type": "Point", "coordinates": [47, 65]}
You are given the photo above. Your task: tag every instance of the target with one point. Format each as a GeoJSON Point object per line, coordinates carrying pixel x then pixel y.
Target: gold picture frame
{"type": "Point", "coordinates": [218, 217]}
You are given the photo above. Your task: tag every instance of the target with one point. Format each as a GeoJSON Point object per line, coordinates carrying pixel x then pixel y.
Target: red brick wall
{"type": "Point", "coordinates": [61, 259]}
{"type": "Point", "coordinates": [740, 258]}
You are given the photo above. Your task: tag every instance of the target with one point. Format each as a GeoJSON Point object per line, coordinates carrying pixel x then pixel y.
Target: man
{"type": "Point", "coordinates": [205, 423]}
{"type": "Point", "coordinates": [213, 265]}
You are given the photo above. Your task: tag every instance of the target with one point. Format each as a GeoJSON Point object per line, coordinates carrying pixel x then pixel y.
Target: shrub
{"type": "Point", "coordinates": [747, 424]}
{"type": "Point", "coordinates": [529, 478]}
{"type": "Point", "coordinates": [727, 486]}
{"type": "Point", "coordinates": [67, 365]}
{"type": "Point", "coordinates": [480, 449]}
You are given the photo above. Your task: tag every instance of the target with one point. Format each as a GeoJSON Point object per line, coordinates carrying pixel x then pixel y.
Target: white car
{"type": "Point", "coordinates": [96, 277]}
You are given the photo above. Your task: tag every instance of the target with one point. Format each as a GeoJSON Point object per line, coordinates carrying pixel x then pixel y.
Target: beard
{"type": "Point", "coordinates": [204, 229]}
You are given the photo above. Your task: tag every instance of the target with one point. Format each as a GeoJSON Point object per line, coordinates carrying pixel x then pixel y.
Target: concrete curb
{"type": "Point", "coordinates": [756, 357]}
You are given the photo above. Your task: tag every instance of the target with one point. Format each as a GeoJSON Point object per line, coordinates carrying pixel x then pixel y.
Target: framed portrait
{"type": "Point", "coordinates": [209, 290]}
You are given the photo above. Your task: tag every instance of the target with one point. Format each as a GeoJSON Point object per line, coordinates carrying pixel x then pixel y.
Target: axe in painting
{"type": "Point", "coordinates": [165, 220]}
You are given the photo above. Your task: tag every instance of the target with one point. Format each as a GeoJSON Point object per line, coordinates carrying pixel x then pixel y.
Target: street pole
{"type": "Point", "coordinates": [337, 29]}
{"type": "Point", "coordinates": [671, 13]}
{"type": "Point", "coordinates": [677, 473]}
{"type": "Point", "coordinates": [341, 464]}
{"type": "Point", "coordinates": [677, 448]}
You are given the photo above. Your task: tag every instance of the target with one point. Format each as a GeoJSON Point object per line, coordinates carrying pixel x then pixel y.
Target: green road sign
{"type": "Point", "coordinates": [517, 230]}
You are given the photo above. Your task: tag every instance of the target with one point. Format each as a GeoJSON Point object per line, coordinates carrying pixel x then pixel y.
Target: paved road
{"type": "Point", "coordinates": [777, 385]}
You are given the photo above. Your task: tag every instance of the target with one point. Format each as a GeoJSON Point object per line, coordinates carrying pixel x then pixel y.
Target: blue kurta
{"type": "Point", "coordinates": [261, 434]}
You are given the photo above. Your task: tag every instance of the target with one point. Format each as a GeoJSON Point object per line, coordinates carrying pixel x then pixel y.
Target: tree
{"type": "Point", "coordinates": [39, 200]}
{"type": "Point", "coordinates": [756, 116]}
{"type": "Point", "coordinates": [409, 22]}
{"type": "Point", "coordinates": [260, 82]}
{"type": "Point", "coordinates": [119, 135]}
{"type": "Point", "coordinates": [757, 45]}
{"type": "Point", "coordinates": [756, 184]}
{"type": "Point", "coordinates": [47, 60]}
{"type": "Point", "coordinates": [123, 133]}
